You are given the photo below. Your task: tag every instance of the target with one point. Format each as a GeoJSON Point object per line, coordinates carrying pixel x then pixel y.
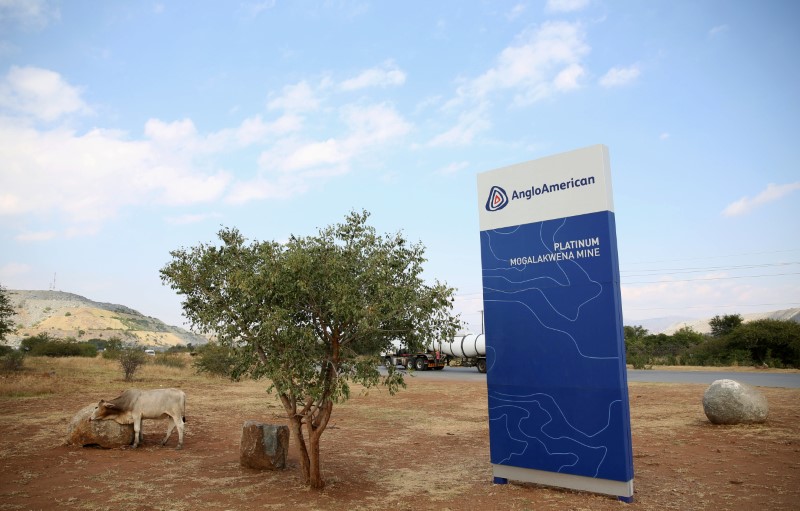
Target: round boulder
{"type": "Point", "coordinates": [103, 433]}
{"type": "Point", "coordinates": [731, 402]}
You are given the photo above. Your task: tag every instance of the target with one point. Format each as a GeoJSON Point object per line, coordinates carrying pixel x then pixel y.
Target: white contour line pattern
{"type": "Point", "coordinates": [527, 416]}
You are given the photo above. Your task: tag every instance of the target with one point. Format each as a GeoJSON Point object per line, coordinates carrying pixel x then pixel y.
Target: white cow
{"type": "Point", "coordinates": [133, 405]}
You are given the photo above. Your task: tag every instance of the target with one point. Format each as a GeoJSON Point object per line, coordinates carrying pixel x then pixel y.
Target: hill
{"type": "Point", "coordinates": [62, 315]}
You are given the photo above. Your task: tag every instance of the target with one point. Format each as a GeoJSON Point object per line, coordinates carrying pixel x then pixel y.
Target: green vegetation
{"type": "Point", "coordinates": [130, 360]}
{"type": "Point", "coordinates": [11, 360]}
{"type": "Point", "coordinates": [43, 345]}
{"type": "Point", "coordinates": [767, 342]}
{"type": "Point", "coordinates": [215, 359]}
{"type": "Point", "coordinates": [312, 314]}
{"type": "Point", "coordinates": [170, 360]}
{"type": "Point", "coordinates": [6, 313]}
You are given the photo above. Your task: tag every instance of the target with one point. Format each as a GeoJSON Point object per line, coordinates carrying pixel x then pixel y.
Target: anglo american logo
{"type": "Point", "coordinates": [498, 199]}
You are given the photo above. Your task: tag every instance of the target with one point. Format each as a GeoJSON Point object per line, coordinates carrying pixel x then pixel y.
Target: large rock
{"type": "Point", "coordinates": [263, 446]}
{"type": "Point", "coordinates": [104, 433]}
{"type": "Point", "coordinates": [731, 402]}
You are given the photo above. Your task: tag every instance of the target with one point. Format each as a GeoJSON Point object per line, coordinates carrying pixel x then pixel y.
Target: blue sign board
{"type": "Point", "coordinates": [557, 384]}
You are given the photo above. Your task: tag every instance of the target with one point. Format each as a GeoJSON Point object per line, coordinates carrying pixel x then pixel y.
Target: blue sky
{"type": "Point", "coordinates": [129, 129]}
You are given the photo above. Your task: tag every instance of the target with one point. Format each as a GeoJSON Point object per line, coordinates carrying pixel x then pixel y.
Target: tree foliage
{"type": "Point", "coordinates": [44, 345]}
{"type": "Point", "coordinates": [6, 313]}
{"type": "Point", "coordinates": [130, 360]}
{"type": "Point", "coordinates": [775, 343]}
{"type": "Point", "coordinates": [313, 314]}
{"type": "Point", "coordinates": [723, 325]}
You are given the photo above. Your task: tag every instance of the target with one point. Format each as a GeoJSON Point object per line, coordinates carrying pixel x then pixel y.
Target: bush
{"type": "Point", "coordinates": [215, 359]}
{"type": "Point", "coordinates": [770, 341]}
{"type": "Point", "coordinates": [12, 361]}
{"type": "Point", "coordinates": [169, 360]}
{"type": "Point", "coordinates": [42, 345]}
{"type": "Point", "coordinates": [113, 347]}
{"type": "Point", "coordinates": [130, 359]}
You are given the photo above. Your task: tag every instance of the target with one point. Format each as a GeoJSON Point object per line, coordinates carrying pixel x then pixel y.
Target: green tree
{"type": "Point", "coordinates": [130, 359]}
{"type": "Point", "coordinates": [770, 341]}
{"type": "Point", "coordinates": [723, 325]}
{"type": "Point", "coordinates": [6, 313]}
{"type": "Point", "coordinates": [313, 314]}
{"type": "Point", "coordinates": [637, 350]}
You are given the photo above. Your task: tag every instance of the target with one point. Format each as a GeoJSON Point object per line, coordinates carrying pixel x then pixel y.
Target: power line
{"type": "Point", "coordinates": [782, 304]}
{"type": "Point", "coordinates": [716, 256]}
{"type": "Point", "coordinates": [674, 271]}
{"type": "Point", "coordinates": [711, 278]}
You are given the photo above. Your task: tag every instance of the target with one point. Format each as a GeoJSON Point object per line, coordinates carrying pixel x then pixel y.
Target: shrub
{"type": "Point", "coordinates": [130, 359]}
{"type": "Point", "coordinates": [42, 345]}
{"type": "Point", "coordinates": [169, 360]}
{"type": "Point", "coordinates": [113, 347]}
{"type": "Point", "coordinates": [215, 359]}
{"type": "Point", "coordinates": [12, 361]}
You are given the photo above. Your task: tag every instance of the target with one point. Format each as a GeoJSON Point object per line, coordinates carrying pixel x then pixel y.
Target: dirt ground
{"type": "Point", "coordinates": [423, 449]}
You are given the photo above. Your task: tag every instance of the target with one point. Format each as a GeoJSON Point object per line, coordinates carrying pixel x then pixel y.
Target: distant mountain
{"type": "Point", "coordinates": [62, 315]}
{"type": "Point", "coordinates": [672, 324]}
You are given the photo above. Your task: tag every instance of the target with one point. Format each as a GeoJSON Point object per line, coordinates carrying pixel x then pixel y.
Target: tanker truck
{"type": "Point", "coordinates": [431, 358]}
{"type": "Point", "coordinates": [470, 349]}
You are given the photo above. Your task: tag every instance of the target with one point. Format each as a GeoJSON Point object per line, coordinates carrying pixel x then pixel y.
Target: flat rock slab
{"type": "Point", "coordinates": [732, 402]}
{"type": "Point", "coordinates": [107, 434]}
{"type": "Point", "coordinates": [263, 446]}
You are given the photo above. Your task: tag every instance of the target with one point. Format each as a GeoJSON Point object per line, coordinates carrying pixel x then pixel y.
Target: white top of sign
{"type": "Point", "coordinates": [567, 184]}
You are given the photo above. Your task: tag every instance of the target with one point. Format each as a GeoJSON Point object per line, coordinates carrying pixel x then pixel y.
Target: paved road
{"type": "Point", "coordinates": [788, 380]}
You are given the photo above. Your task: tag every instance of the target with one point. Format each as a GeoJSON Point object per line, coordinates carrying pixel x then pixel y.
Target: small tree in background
{"type": "Point", "coordinates": [6, 313]}
{"type": "Point", "coordinates": [723, 325]}
{"type": "Point", "coordinates": [130, 359]}
{"type": "Point", "coordinates": [313, 314]}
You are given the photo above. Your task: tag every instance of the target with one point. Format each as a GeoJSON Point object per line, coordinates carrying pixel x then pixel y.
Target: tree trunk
{"type": "Point", "coordinates": [296, 429]}
{"type": "Point", "coordinates": [315, 476]}
{"type": "Point", "coordinates": [315, 428]}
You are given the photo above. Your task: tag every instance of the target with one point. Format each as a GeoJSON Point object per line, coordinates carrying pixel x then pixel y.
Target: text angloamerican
{"type": "Point", "coordinates": [550, 188]}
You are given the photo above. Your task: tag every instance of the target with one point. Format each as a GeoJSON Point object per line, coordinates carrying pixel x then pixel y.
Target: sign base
{"type": "Point", "coordinates": [573, 482]}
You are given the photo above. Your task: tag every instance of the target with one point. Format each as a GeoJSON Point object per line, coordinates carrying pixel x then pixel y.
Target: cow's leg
{"type": "Point", "coordinates": [169, 430]}
{"type": "Point", "coordinates": [179, 424]}
{"type": "Point", "coordinates": [137, 430]}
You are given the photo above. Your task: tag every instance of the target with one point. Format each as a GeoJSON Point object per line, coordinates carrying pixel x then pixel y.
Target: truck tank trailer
{"type": "Point", "coordinates": [470, 349]}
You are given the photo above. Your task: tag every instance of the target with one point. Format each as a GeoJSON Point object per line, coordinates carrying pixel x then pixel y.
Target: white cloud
{"type": "Point", "coordinates": [619, 76]}
{"type": "Point", "coordinates": [541, 62]}
{"type": "Point", "coordinates": [718, 30]}
{"type": "Point", "coordinates": [39, 93]}
{"type": "Point", "coordinates": [569, 78]}
{"type": "Point", "coordinates": [566, 5]}
{"type": "Point", "coordinates": [387, 75]}
{"type": "Point", "coordinates": [516, 12]}
{"type": "Point", "coordinates": [29, 14]}
{"type": "Point", "coordinates": [12, 270]}
{"type": "Point", "coordinates": [771, 193]}
{"type": "Point", "coordinates": [85, 179]}
{"type": "Point", "coordinates": [471, 123]}
{"type": "Point", "coordinates": [175, 134]}
{"type": "Point", "coordinates": [299, 97]}
{"type": "Point", "coordinates": [36, 236]}
{"type": "Point", "coordinates": [664, 136]}
{"type": "Point", "coordinates": [367, 127]}
{"type": "Point", "coordinates": [88, 178]}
